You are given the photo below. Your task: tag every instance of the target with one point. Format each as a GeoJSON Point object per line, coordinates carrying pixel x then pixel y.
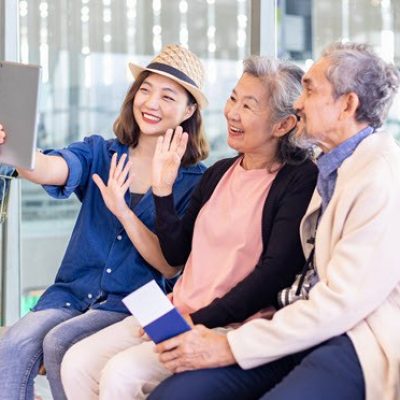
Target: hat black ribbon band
{"type": "Point", "coordinates": [172, 71]}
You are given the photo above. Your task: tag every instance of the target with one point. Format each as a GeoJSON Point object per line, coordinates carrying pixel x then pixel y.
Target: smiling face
{"type": "Point", "coordinates": [247, 113]}
{"type": "Point", "coordinates": [160, 104]}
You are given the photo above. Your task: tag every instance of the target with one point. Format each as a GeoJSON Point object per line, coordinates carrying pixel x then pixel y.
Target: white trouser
{"type": "Point", "coordinates": [114, 363]}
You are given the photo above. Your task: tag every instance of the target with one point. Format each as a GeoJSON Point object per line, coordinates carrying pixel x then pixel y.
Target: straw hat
{"type": "Point", "coordinates": [180, 65]}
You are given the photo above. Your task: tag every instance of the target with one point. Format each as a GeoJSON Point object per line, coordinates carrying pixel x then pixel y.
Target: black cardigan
{"type": "Point", "coordinates": [281, 259]}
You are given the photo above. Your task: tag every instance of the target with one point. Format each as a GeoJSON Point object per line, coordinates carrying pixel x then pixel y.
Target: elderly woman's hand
{"type": "Point", "coordinates": [167, 159]}
{"type": "Point", "coordinates": [195, 349]}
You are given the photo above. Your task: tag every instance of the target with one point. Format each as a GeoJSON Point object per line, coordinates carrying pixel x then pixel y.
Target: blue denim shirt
{"type": "Point", "coordinates": [101, 265]}
{"type": "Point", "coordinates": [329, 163]}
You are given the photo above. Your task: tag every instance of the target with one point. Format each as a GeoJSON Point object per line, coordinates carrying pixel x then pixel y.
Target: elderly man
{"type": "Point", "coordinates": [337, 335]}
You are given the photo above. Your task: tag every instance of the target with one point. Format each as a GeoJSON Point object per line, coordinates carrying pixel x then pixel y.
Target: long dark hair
{"type": "Point", "coordinates": [127, 130]}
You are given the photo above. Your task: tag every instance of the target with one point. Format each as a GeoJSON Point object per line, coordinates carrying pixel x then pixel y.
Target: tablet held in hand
{"type": "Point", "coordinates": [19, 97]}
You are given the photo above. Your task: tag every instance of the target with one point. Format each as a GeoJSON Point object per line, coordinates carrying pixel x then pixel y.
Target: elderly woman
{"type": "Point", "coordinates": [239, 238]}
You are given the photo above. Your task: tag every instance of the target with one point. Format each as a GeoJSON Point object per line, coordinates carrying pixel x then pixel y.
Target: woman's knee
{"type": "Point", "coordinates": [76, 363]}
{"type": "Point", "coordinates": [50, 340]}
{"type": "Point", "coordinates": [58, 340]}
{"type": "Point", "coordinates": [53, 345]}
{"type": "Point", "coordinates": [115, 370]}
{"type": "Point", "coordinates": [18, 341]}
{"type": "Point", "coordinates": [122, 375]}
{"type": "Point", "coordinates": [110, 372]}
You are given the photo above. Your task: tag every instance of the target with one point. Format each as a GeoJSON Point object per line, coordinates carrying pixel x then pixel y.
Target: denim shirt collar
{"type": "Point", "coordinates": [119, 148]}
{"type": "Point", "coordinates": [331, 161]}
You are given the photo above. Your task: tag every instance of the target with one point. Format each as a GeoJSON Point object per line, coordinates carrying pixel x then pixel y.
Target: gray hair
{"type": "Point", "coordinates": [356, 68]}
{"type": "Point", "coordinates": [282, 81]}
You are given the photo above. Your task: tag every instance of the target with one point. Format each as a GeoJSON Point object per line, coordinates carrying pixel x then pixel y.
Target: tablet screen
{"type": "Point", "coordinates": [19, 93]}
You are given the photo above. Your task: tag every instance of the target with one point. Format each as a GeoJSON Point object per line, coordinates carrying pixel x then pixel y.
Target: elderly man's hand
{"type": "Point", "coordinates": [195, 349]}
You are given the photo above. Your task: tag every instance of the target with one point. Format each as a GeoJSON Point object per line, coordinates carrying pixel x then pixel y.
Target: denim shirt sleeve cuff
{"type": "Point", "coordinates": [74, 176]}
{"type": "Point", "coordinates": [6, 170]}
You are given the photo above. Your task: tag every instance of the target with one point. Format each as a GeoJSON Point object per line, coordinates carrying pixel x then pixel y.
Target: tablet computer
{"type": "Point", "coordinates": [19, 96]}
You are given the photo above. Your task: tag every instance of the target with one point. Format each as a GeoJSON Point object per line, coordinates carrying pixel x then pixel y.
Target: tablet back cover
{"type": "Point", "coordinates": [19, 96]}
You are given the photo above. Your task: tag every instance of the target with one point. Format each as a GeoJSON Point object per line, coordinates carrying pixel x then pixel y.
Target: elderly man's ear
{"type": "Point", "coordinates": [350, 105]}
{"type": "Point", "coordinates": [282, 127]}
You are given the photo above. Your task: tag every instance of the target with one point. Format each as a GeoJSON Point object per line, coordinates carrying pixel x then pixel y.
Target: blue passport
{"type": "Point", "coordinates": [155, 312]}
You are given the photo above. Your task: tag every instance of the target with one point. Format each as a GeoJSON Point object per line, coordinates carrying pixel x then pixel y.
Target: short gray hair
{"type": "Point", "coordinates": [355, 67]}
{"type": "Point", "coordinates": [282, 81]}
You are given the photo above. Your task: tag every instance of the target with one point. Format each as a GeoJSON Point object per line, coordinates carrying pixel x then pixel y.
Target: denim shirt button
{"type": "Point", "coordinates": [68, 304]}
{"type": "Point", "coordinates": [108, 270]}
{"type": "Point", "coordinates": [90, 295]}
{"type": "Point", "coordinates": [119, 237]}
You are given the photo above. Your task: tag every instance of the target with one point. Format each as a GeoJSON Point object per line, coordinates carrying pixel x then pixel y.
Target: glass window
{"type": "Point", "coordinates": [307, 26]}
{"type": "Point", "coordinates": [84, 47]}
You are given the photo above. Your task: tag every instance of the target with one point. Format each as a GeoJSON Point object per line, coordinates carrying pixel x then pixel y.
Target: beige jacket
{"type": "Point", "coordinates": [358, 261]}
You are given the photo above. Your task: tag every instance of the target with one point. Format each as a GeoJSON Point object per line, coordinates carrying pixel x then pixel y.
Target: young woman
{"type": "Point", "coordinates": [106, 259]}
{"type": "Point", "coordinates": [239, 238]}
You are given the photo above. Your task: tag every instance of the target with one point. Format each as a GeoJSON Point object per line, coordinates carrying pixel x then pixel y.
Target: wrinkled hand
{"type": "Point", "coordinates": [195, 349]}
{"type": "Point", "coordinates": [167, 159]}
{"type": "Point", "coordinates": [118, 183]}
{"type": "Point", "coordinates": [2, 134]}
